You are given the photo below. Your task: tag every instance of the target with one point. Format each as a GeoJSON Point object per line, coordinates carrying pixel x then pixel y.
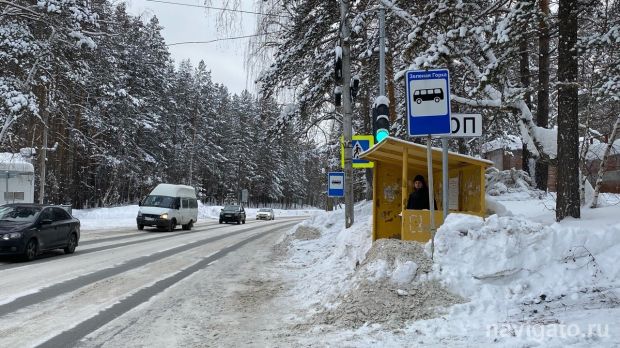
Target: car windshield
{"type": "Point", "coordinates": [231, 208]}
{"type": "Point", "coordinates": [265, 210]}
{"type": "Point", "coordinates": [159, 201]}
{"type": "Point", "coordinates": [19, 214]}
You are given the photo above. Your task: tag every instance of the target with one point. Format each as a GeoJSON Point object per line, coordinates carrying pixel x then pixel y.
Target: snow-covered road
{"type": "Point", "coordinates": [57, 300]}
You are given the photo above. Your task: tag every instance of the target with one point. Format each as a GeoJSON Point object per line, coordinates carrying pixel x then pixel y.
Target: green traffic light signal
{"type": "Point", "coordinates": [381, 134]}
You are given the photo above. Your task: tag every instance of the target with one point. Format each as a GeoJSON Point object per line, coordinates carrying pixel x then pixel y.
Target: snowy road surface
{"type": "Point", "coordinates": [129, 288]}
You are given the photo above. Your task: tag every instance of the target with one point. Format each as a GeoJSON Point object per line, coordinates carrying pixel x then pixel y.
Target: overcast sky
{"type": "Point", "coordinates": [181, 23]}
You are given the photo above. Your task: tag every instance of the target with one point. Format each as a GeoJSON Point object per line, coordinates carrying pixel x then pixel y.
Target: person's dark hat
{"type": "Point", "coordinates": [419, 178]}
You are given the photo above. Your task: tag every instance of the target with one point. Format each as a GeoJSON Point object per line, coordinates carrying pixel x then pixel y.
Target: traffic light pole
{"type": "Point", "coordinates": [381, 50]}
{"type": "Point", "coordinates": [345, 35]}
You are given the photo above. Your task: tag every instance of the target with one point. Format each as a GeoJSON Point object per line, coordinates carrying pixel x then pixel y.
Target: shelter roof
{"type": "Point", "coordinates": [391, 150]}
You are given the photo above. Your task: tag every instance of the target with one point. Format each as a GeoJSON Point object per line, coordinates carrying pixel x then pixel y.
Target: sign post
{"type": "Point", "coordinates": [461, 126]}
{"type": "Point", "coordinates": [428, 113]}
{"type": "Point", "coordinates": [245, 196]}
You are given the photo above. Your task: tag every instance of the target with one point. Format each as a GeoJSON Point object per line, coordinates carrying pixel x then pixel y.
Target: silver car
{"type": "Point", "coordinates": [265, 214]}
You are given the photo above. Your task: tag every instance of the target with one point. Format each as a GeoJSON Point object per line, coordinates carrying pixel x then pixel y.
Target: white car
{"type": "Point", "coordinates": [265, 214]}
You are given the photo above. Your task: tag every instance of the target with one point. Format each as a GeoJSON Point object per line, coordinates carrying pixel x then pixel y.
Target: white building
{"type": "Point", "coordinates": [16, 179]}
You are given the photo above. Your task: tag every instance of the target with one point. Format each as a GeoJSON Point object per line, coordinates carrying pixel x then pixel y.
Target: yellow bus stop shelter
{"type": "Point", "coordinates": [397, 162]}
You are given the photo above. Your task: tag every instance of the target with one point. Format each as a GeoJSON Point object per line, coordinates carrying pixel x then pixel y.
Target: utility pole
{"type": "Point", "coordinates": [345, 36]}
{"type": "Point", "coordinates": [381, 50]}
{"type": "Point", "coordinates": [44, 149]}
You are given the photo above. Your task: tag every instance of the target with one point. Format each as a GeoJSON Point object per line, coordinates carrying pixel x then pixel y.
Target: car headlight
{"type": "Point", "coordinates": [164, 216]}
{"type": "Point", "coordinates": [14, 235]}
{"type": "Point", "coordinates": [139, 213]}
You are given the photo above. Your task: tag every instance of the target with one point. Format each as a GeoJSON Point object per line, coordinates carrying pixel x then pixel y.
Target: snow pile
{"type": "Point", "coordinates": [510, 281]}
{"type": "Point", "coordinates": [115, 217]}
{"type": "Point", "coordinates": [389, 288]}
{"type": "Point", "coordinates": [208, 211]}
{"type": "Point", "coordinates": [605, 199]}
{"type": "Point", "coordinates": [344, 280]}
{"type": "Point", "coordinates": [511, 260]}
{"type": "Point", "coordinates": [306, 233]}
{"type": "Point", "coordinates": [320, 268]}
{"type": "Point", "coordinates": [399, 261]}
{"type": "Point", "coordinates": [495, 207]}
{"type": "Point", "coordinates": [512, 181]}
{"type": "Point", "coordinates": [300, 232]}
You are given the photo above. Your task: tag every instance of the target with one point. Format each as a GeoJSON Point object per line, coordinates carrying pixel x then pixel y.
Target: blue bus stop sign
{"type": "Point", "coordinates": [335, 184]}
{"type": "Point", "coordinates": [428, 102]}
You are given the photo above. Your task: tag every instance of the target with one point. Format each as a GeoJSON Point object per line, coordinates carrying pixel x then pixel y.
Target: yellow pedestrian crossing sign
{"type": "Point", "coordinates": [359, 144]}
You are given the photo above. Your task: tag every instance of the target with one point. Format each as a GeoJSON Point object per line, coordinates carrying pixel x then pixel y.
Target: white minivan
{"type": "Point", "coordinates": [167, 206]}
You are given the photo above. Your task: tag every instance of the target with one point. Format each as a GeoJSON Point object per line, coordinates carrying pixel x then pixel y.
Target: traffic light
{"type": "Point", "coordinates": [338, 96]}
{"type": "Point", "coordinates": [381, 120]}
{"type": "Point", "coordinates": [338, 76]}
{"type": "Point", "coordinates": [338, 64]}
{"type": "Point", "coordinates": [355, 86]}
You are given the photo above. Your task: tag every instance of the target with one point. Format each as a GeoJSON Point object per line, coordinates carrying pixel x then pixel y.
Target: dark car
{"type": "Point", "coordinates": [28, 229]}
{"type": "Point", "coordinates": [232, 213]}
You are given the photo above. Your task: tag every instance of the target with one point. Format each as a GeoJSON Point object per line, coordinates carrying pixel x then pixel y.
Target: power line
{"type": "Point", "coordinates": [222, 39]}
{"type": "Point", "coordinates": [218, 8]}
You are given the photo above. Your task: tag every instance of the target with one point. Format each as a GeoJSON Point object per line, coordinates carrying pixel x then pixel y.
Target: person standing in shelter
{"type": "Point", "coordinates": [418, 199]}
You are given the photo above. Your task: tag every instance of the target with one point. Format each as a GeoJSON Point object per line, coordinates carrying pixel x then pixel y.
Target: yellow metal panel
{"type": "Point", "coordinates": [387, 201]}
{"type": "Point", "coordinates": [470, 189]}
{"type": "Point", "coordinates": [403, 183]}
{"type": "Point", "coordinates": [375, 191]}
{"type": "Point", "coordinates": [483, 200]}
{"type": "Point", "coordinates": [417, 224]}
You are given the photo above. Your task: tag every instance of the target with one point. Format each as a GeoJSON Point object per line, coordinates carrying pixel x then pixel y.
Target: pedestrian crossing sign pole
{"type": "Point", "coordinates": [359, 144]}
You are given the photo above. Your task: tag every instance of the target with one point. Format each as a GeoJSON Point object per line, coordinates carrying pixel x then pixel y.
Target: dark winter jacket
{"type": "Point", "coordinates": [418, 199]}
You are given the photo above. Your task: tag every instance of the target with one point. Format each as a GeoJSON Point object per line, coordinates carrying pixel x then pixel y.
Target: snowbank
{"type": "Point", "coordinates": [514, 260]}
{"type": "Point", "coordinates": [389, 288]}
{"type": "Point", "coordinates": [125, 216]}
{"type": "Point", "coordinates": [100, 218]}
{"type": "Point", "coordinates": [344, 280]}
{"type": "Point", "coordinates": [514, 280]}
{"type": "Point", "coordinates": [512, 184]}
{"type": "Point", "coordinates": [213, 212]}
{"type": "Point", "coordinates": [320, 266]}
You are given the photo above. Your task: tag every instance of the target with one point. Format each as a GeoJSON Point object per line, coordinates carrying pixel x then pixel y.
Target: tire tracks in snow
{"type": "Point", "coordinates": [73, 336]}
{"type": "Point", "coordinates": [143, 239]}
{"type": "Point", "coordinates": [80, 281]}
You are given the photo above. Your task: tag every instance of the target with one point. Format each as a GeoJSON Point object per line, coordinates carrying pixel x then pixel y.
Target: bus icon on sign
{"type": "Point", "coordinates": [428, 94]}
